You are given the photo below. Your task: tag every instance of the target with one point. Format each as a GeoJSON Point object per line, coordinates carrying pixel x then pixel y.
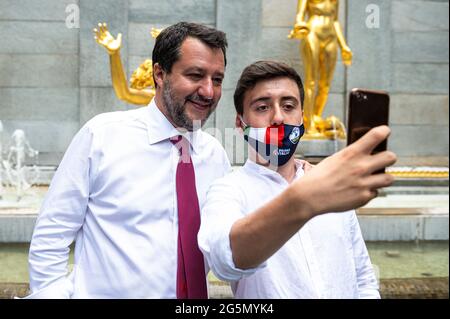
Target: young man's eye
{"type": "Point", "coordinates": [262, 108]}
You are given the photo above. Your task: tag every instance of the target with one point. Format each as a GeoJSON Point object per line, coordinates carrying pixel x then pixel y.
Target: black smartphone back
{"type": "Point", "coordinates": [367, 109]}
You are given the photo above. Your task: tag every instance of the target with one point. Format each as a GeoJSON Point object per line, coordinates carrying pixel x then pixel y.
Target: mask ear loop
{"type": "Point", "coordinates": [245, 125]}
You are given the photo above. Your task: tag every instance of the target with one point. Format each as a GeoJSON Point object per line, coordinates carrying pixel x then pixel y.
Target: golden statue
{"type": "Point", "coordinates": [142, 87]}
{"type": "Point", "coordinates": [320, 36]}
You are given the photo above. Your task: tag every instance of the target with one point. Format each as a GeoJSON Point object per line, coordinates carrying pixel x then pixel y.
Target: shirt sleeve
{"type": "Point", "coordinates": [368, 287]}
{"type": "Point", "coordinates": [61, 216]}
{"type": "Point", "coordinates": [223, 207]}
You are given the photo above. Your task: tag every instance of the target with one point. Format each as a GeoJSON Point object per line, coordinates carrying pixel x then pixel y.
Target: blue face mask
{"type": "Point", "coordinates": [276, 144]}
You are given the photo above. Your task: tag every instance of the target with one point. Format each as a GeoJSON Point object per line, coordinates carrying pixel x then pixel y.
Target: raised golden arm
{"type": "Point", "coordinates": [119, 81]}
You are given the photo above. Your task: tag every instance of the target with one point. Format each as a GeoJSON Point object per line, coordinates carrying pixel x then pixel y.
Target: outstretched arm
{"type": "Point", "coordinates": [339, 183]}
{"type": "Point", "coordinates": [120, 84]}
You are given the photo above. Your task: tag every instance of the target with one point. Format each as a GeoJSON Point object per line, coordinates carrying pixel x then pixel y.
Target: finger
{"type": "Point", "coordinates": [371, 139]}
{"type": "Point", "coordinates": [374, 182]}
{"type": "Point", "coordinates": [97, 34]}
{"type": "Point", "coordinates": [105, 27]}
{"type": "Point", "coordinates": [381, 160]}
{"type": "Point", "coordinates": [119, 37]}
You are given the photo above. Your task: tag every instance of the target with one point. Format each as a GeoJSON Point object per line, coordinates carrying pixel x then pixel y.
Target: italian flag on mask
{"type": "Point", "coordinates": [276, 144]}
{"type": "Point", "coordinates": [272, 135]}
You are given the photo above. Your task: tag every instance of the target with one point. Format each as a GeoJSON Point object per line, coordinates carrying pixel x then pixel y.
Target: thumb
{"type": "Point", "coordinates": [119, 38]}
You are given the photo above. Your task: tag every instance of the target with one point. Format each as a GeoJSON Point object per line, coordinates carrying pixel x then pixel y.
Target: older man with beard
{"type": "Point", "coordinates": [126, 189]}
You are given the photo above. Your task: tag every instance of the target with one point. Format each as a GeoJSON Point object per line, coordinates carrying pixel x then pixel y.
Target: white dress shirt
{"type": "Point", "coordinates": [115, 193]}
{"type": "Point", "coordinates": [326, 258]}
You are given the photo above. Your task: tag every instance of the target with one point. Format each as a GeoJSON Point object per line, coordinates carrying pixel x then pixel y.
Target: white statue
{"type": "Point", "coordinates": [15, 162]}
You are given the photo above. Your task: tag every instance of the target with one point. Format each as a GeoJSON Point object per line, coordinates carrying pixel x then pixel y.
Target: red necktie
{"type": "Point", "coordinates": [191, 278]}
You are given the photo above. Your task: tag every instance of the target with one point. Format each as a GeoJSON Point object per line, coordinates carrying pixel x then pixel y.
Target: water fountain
{"type": "Point", "coordinates": [20, 176]}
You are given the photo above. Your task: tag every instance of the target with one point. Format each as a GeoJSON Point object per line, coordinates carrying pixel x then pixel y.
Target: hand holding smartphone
{"type": "Point", "coordinates": [367, 109]}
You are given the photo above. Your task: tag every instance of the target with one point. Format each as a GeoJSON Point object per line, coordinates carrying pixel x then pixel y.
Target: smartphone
{"type": "Point", "coordinates": [367, 109]}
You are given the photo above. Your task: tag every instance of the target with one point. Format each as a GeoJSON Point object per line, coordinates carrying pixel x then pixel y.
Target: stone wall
{"type": "Point", "coordinates": [53, 79]}
{"type": "Point", "coordinates": [408, 56]}
{"type": "Point", "coordinates": [39, 74]}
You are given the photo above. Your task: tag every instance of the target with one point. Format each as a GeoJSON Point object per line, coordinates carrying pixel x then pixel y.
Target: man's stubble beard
{"type": "Point", "coordinates": [176, 110]}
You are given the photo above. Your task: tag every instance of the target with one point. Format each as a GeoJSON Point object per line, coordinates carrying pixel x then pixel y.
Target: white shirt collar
{"type": "Point", "coordinates": [251, 166]}
{"type": "Point", "coordinates": [160, 129]}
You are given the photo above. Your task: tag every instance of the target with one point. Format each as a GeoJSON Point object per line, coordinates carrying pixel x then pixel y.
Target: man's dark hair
{"type": "Point", "coordinates": [168, 43]}
{"type": "Point", "coordinates": [260, 71]}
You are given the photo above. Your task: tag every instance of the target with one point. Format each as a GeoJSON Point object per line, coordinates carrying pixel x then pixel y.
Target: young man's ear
{"type": "Point", "coordinates": [238, 123]}
{"type": "Point", "coordinates": [158, 75]}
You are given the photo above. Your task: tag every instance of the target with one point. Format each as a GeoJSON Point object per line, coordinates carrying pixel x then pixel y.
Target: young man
{"type": "Point", "coordinates": [116, 188]}
{"type": "Point", "coordinates": [267, 227]}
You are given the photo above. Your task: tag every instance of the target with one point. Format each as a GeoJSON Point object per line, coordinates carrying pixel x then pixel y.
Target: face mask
{"type": "Point", "coordinates": [276, 144]}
